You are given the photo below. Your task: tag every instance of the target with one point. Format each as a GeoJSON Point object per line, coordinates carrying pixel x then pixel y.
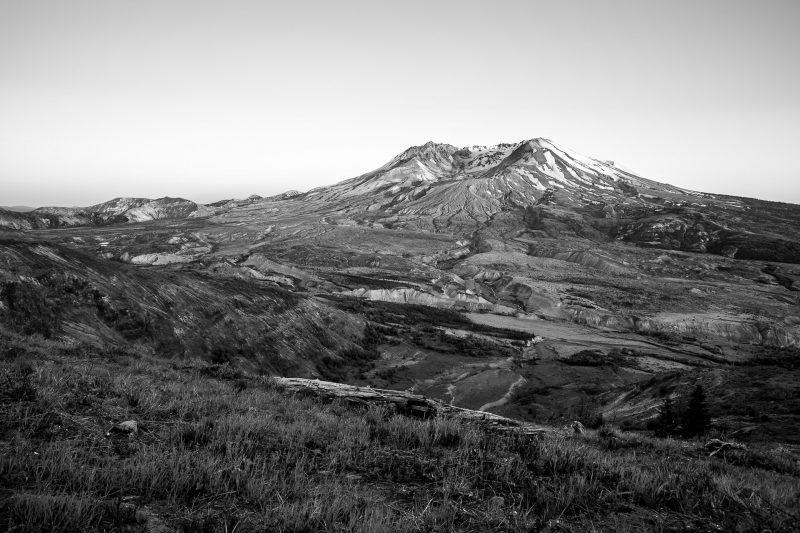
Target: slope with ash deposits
{"type": "Point", "coordinates": [65, 293]}
{"type": "Point", "coordinates": [468, 185]}
{"type": "Point", "coordinates": [549, 191]}
{"type": "Point", "coordinates": [583, 278]}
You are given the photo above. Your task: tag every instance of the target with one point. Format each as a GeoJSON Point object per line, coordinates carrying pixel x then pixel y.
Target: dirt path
{"type": "Point", "coordinates": [505, 398]}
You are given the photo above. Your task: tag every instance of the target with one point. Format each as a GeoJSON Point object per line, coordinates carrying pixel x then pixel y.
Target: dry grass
{"type": "Point", "coordinates": [218, 450]}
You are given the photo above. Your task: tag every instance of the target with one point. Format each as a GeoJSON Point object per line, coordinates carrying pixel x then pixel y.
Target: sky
{"type": "Point", "coordinates": [222, 99]}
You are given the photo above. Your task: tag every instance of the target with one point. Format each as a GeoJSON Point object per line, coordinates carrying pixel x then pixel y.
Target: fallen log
{"type": "Point", "coordinates": [403, 402]}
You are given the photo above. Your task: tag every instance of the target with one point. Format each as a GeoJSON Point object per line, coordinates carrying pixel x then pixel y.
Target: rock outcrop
{"type": "Point", "coordinates": [729, 328]}
{"type": "Point", "coordinates": [453, 300]}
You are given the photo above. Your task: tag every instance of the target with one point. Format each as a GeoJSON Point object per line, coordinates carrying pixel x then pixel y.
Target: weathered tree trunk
{"type": "Point", "coordinates": [404, 402]}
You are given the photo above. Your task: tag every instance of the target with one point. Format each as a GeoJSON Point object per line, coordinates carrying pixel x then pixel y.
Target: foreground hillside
{"type": "Point", "coordinates": [216, 449]}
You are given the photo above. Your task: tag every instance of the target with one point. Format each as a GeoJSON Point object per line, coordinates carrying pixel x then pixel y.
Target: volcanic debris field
{"type": "Point", "coordinates": [508, 338]}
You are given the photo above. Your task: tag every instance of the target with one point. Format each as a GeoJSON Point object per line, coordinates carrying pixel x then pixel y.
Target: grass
{"type": "Point", "coordinates": [222, 450]}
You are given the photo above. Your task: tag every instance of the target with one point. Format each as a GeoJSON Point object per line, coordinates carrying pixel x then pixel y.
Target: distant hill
{"type": "Point", "coordinates": [110, 212]}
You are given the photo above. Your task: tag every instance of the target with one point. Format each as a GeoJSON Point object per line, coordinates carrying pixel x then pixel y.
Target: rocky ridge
{"type": "Point", "coordinates": [113, 211]}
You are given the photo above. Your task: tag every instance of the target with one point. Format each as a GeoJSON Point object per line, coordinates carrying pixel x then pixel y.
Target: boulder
{"type": "Point", "coordinates": [129, 428]}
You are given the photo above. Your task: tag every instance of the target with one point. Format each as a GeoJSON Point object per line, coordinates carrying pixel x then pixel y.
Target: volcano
{"type": "Point", "coordinates": [536, 185]}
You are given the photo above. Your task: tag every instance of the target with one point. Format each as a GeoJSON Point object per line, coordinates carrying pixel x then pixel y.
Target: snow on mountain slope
{"type": "Point", "coordinates": [470, 184]}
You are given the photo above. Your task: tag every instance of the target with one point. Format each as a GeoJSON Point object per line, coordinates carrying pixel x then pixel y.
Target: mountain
{"type": "Point", "coordinates": [112, 211]}
{"type": "Point", "coordinates": [533, 185]}
{"type": "Point", "coordinates": [441, 187]}
{"type": "Point", "coordinates": [440, 179]}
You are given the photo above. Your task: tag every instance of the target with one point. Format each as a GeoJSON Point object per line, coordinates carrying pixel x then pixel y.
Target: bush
{"type": "Point", "coordinates": [15, 383]}
{"type": "Point", "coordinates": [28, 310]}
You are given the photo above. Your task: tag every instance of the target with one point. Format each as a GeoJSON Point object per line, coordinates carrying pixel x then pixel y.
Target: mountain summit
{"type": "Point", "coordinates": [472, 183]}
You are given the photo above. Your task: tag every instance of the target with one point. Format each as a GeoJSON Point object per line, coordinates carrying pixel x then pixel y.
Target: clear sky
{"type": "Point", "coordinates": [219, 99]}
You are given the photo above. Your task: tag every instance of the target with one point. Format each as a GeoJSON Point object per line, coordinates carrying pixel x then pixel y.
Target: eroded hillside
{"type": "Point", "coordinates": [520, 278]}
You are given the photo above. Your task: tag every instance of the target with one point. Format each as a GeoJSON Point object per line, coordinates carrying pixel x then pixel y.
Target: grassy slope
{"type": "Point", "coordinates": [218, 450]}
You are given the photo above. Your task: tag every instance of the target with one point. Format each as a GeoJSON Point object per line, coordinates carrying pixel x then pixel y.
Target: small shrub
{"type": "Point", "coordinates": [198, 434]}
{"type": "Point", "coordinates": [28, 309]}
{"type": "Point", "coordinates": [240, 385]}
{"type": "Point", "coordinates": [132, 398]}
{"type": "Point", "coordinates": [224, 371]}
{"type": "Point", "coordinates": [15, 383]}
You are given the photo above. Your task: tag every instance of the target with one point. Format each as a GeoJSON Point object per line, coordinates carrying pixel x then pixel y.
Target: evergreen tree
{"type": "Point", "coordinates": [667, 422]}
{"type": "Point", "coordinates": [696, 419]}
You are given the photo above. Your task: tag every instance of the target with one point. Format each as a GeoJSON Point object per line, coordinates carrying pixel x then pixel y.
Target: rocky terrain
{"type": "Point", "coordinates": [521, 279]}
{"type": "Point", "coordinates": [437, 339]}
{"type": "Point", "coordinates": [118, 210]}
